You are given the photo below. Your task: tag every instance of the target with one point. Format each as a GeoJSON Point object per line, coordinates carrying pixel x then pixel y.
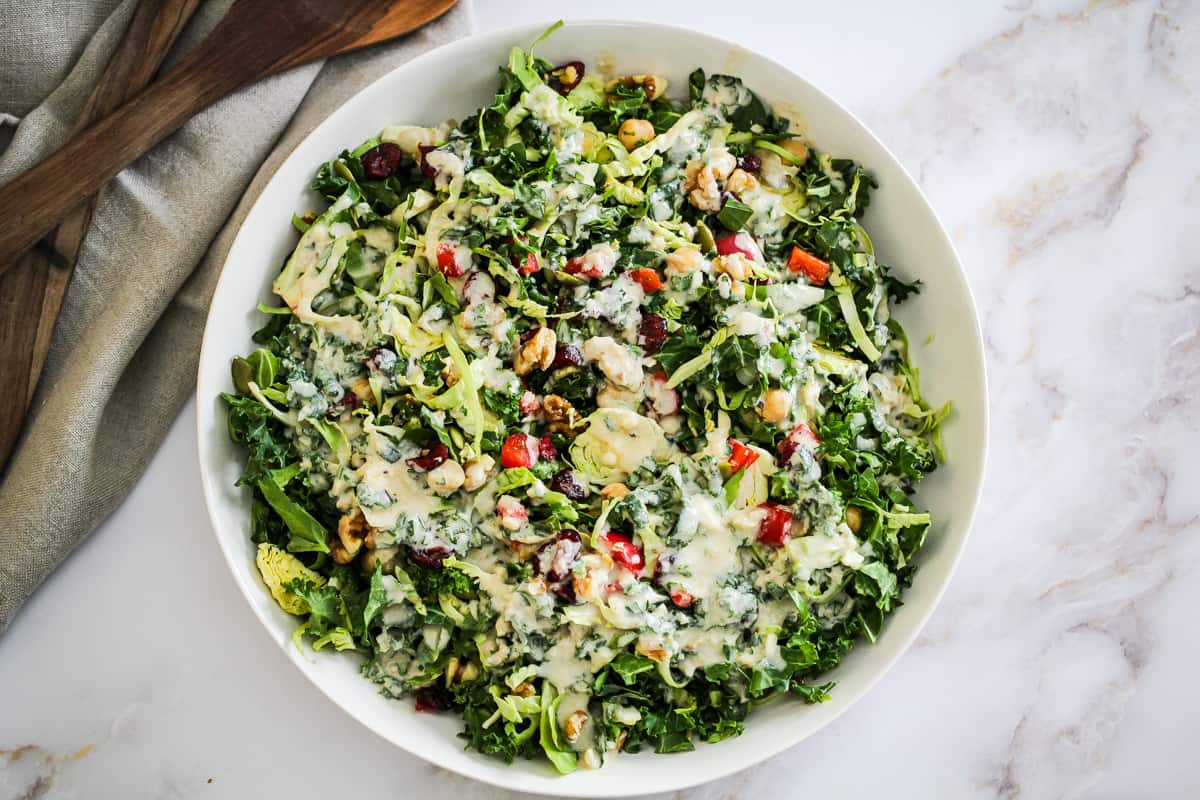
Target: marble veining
{"type": "Point", "coordinates": [1058, 140]}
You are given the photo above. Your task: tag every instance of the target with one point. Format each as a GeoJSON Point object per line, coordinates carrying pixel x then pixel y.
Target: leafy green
{"type": "Point", "coordinates": [563, 758]}
{"type": "Point", "coordinates": [734, 214]}
{"type": "Point", "coordinates": [308, 535]}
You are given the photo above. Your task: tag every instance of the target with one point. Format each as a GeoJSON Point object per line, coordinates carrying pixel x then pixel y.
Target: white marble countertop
{"type": "Point", "coordinates": [1059, 143]}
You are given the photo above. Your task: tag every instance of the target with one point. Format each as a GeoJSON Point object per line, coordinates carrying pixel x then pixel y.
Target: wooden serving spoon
{"type": "Point", "coordinates": [255, 38]}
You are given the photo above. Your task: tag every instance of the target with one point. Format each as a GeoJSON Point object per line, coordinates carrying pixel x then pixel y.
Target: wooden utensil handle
{"type": "Point", "coordinates": [254, 39]}
{"type": "Point", "coordinates": [31, 295]}
{"type": "Point", "coordinates": [34, 202]}
{"type": "Point", "coordinates": [38, 199]}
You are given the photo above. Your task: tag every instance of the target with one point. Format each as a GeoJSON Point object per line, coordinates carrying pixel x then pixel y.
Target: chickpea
{"type": "Point", "coordinates": [683, 261]}
{"type": "Point", "coordinates": [446, 478]}
{"type": "Point", "coordinates": [614, 491]}
{"type": "Point", "coordinates": [797, 148]}
{"type": "Point", "coordinates": [476, 472]}
{"type": "Point", "coordinates": [634, 132]}
{"type": "Point", "coordinates": [537, 353]}
{"type": "Point", "coordinates": [775, 406]}
{"type": "Point", "coordinates": [854, 518]}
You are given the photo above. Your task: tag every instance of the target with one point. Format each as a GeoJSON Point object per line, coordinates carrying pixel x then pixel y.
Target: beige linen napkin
{"type": "Point", "coordinates": [123, 358]}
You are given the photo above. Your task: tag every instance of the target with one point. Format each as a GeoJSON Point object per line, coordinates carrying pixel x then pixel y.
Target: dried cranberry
{"type": "Point", "coordinates": [427, 169]}
{"type": "Point", "coordinates": [565, 591]}
{"type": "Point", "coordinates": [566, 483]}
{"type": "Point", "coordinates": [652, 333]}
{"type": "Point", "coordinates": [381, 161]}
{"type": "Point", "coordinates": [433, 697]}
{"type": "Point", "coordinates": [430, 557]}
{"type": "Point", "coordinates": [479, 288]}
{"type": "Point", "coordinates": [349, 402]}
{"type": "Point", "coordinates": [750, 163]}
{"type": "Point", "coordinates": [567, 355]}
{"type": "Point", "coordinates": [546, 449]}
{"type": "Point", "coordinates": [433, 456]}
{"type": "Point", "coordinates": [382, 358]}
{"type": "Point", "coordinates": [564, 78]}
{"type": "Point", "coordinates": [801, 437]}
{"type": "Point", "coordinates": [556, 557]}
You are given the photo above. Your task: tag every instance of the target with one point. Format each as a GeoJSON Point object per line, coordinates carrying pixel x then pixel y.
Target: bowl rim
{"type": "Point", "coordinates": [847, 698]}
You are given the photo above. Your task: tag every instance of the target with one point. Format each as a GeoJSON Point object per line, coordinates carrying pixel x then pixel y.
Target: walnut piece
{"type": "Point", "coordinates": [561, 416]}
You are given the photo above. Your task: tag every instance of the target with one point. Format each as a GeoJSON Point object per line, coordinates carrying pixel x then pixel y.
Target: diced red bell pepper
{"type": "Point", "coordinates": [519, 450]}
{"type": "Point", "coordinates": [741, 456]}
{"type": "Point", "coordinates": [546, 449]}
{"type": "Point", "coordinates": [813, 268]}
{"type": "Point", "coordinates": [776, 526]}
{"type": "Point", "coordinates": [526, 264]}
{"type": "Point", "coordinates": [801, 436]}
{"type": "Point", "coordinates": [681, 598]}
{"type": "Point", "coordinates": [648, 278]}
{"type": "Point", "coordinates": [740, 242]}
{"type": "Point", "coordinates": [431, 457]}
{"type": "Point", "coordinates": [447, 260]}
{"type": "Point", "coordinates": [624, 551]}
{"type": "Point", "coordinates": [529, 266]}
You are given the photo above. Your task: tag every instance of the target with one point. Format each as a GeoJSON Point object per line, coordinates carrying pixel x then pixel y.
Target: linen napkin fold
{"type": "Point", "coordinates": [124, 353]}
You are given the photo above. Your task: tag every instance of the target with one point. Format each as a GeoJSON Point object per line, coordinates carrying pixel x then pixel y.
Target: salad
{"type": "Point", "coordinates": [586, 418]}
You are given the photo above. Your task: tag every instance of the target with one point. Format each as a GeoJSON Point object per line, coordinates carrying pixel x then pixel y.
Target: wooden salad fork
{"type": "Point", "coordinates": [254, 39]}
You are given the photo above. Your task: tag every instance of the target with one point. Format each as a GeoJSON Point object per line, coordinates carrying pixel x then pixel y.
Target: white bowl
{"type": "Point", "coordinates": [454, 80]}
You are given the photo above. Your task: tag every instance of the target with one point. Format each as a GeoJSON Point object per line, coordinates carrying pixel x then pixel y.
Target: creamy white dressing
{"type": "Point", "coordinates": [617, 362]}
{"type": "Point", "coordinates": [746, 321]}
{"type": "Point", "coordinates": [394, 489]}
